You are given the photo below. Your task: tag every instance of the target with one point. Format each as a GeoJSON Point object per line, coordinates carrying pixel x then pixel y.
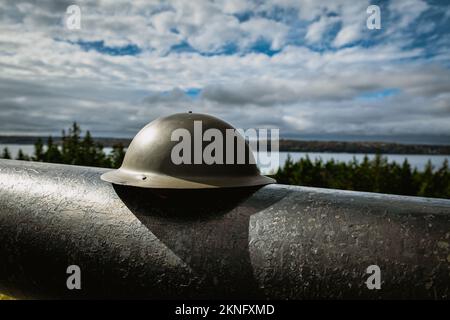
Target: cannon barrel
{"type": "Point", "coordinates": [276, 242]}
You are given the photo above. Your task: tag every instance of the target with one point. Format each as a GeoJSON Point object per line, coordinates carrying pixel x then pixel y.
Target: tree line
{"type": "Point", "coordinates": [74, 149]}
{"type": "Point", "coordinates": [371, 175]}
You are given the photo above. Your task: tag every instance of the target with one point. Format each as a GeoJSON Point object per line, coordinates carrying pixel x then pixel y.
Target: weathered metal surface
{"type": "Point", "coordinates": [276, 242]}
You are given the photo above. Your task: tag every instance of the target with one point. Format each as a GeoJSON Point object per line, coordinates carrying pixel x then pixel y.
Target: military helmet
{"type": "Point", "coordinates": [149, 161]}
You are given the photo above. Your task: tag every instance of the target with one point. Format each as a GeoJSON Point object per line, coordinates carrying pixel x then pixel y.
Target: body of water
{"type": "Point", "coordinates": [415, 160]}
{"type": "Point", "coordinates": [418, 161]}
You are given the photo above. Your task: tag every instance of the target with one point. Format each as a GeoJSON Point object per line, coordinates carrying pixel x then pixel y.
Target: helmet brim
{"type": "Point", "coordinates": [159, 181]}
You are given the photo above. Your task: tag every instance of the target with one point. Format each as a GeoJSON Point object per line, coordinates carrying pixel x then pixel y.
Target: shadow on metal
{"type": "Point", "coordinates": [207, 228]}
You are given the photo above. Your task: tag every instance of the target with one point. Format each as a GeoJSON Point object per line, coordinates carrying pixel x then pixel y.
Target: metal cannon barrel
{"type": "Point", "coordinates": [277, 242]}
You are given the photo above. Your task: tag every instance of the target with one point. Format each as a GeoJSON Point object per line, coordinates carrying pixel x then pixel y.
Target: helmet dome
{"type": "Point", "coordinates": [149, 161]}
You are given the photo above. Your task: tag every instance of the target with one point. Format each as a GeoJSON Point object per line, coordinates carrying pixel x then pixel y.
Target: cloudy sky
{"type": "Point", "coordinates": [307, 67]}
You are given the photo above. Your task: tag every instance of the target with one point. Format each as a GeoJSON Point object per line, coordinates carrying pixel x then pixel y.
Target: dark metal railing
{"type": "Point", "coordinates": [278, 242]}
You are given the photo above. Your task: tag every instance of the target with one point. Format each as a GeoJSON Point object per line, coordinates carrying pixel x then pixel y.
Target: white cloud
{"type": "Point", "coordinates": [46, 82]}
{"type": "Point", "coordinates": [317, 29]}
{"type": "Point", "coordinates": [407, 11]}
{"type": "Point", "coordinates": [347, 35]}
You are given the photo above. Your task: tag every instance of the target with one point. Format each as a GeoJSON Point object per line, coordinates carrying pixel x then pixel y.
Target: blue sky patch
{"type": "Point", "coordinates": [379, 94]}
{"type": "Point", "coordinates": [193, 92]}
{"type": "Point", "coordinates": [99, 46]}
{"type": "Point", "coordinates": [263, 46]}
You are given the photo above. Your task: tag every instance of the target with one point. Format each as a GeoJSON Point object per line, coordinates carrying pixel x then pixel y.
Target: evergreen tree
{"type": "Point", "coordinates": [6, 154]}
{"type": "Point", "coordinates": [425, 180]}
{"type": "Point", "coordinates": [52, 154]}
{"type": "Point", "coordinates": [71, 146]}
{"type": "Point", "coordinates": [117, 155]}
{"type": "Point", "coordinates": [407, 185]}
{"type": "Point", "coordinates": [22, 156]}
{"type": "Point", "coordinates": [39, 154]}
{"type": "Point", "coordinates": [362, 175]}
{"type": "Point", "coordinates": [376, 175]}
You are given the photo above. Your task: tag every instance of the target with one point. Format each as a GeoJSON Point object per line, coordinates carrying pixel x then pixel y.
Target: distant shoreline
{"type": "Point", "coordinates": [287, 145]}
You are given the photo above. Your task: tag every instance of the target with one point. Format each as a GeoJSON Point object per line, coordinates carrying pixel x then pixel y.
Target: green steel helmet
{"type": "Point", "coordinates": [188, 151]}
